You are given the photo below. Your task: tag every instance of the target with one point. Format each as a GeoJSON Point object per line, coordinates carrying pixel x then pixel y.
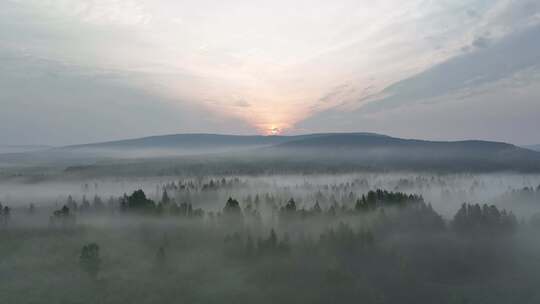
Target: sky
{"type": "Point", "coordinates": [79, 71]}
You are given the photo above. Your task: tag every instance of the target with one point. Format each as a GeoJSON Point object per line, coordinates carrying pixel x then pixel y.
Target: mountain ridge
{"type": "Point", "coordinates": [307, 151]}
{"type": "Point", "coordinates": [231, 138]}
{"type": "Point", "coordinates": [533, 147]}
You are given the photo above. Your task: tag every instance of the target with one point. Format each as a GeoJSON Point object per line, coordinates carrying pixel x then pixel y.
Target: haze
{"type": "Point", "coordinates": [349, 151]}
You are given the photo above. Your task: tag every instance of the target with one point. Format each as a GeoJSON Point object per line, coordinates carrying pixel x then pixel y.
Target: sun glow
{"type": "Point", "coordinates": [274, 130]}
{"type": "Point", "coordinates": [270, 129]}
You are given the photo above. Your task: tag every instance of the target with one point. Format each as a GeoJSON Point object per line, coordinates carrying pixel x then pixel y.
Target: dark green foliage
{"type": "Point", "coordinates": [138, 202]}
{"type": "Point", "coordinates": [290, 207]}
{"type": "Point", "coordinates": [383, 198]}
{"type": "Point", "coordinates": [363, 206]}
{"type": "Point", "coordinates": [232, 207]}
{"type": "Point", "coordinates": [289, 211]}
{"type": "Point", "coordinates": [416, 218]}
{"type": "Point", "coordinates": [472, 220]}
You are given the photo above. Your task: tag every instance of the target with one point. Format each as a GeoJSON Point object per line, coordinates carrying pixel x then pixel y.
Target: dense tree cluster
{"type": "Point", "coordinates": [487, 220]}
{"type": "Point", "coordinates": [352, 243]}
{"type": "Point", "coordinates": [232, 207]}
{"type": "Point", "coordinates": [137, 202]}
{"type": "Point", "coordinates": [383, 198]}
{"type": "Point", "coordinates": [414, 213]}
{"type": "Point", "coordinates": [199, 185]}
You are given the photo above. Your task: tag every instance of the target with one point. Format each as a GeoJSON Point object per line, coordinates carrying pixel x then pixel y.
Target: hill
{"type": "Point", "coordinates": [327, 152]}
{"type": "Point", "coordinates": [385, 152]}
{"type": "Point", "coordinates": [533, 147]}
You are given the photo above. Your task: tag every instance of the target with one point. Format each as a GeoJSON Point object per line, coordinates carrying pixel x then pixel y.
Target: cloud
{"type": "Point", "coordinates": [481, 42]}
{"type": "Point", "coordinates": [242, 104]}
{"type": "Point", "coordinates": [487, 64]}
{"type": "Point", "coordinates": [268, 63]}
{"type": "Point", "coordinates": [97, 12]}
{"type": "Point", "coordinates": [465, 96]}
{"type": "Point", "coordinates": [505, 110]}
{"type": "Point", "coordinates": [46, 102]}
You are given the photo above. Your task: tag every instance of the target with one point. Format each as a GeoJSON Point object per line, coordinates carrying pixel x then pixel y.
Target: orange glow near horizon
{"type": "Point", "coordinates": [271, 129]}
{"type": "Point", "coordinates": [274, 131]}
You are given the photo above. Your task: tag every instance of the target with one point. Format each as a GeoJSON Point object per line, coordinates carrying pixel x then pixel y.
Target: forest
{"type": "Point", "coordinates": [363, 237]}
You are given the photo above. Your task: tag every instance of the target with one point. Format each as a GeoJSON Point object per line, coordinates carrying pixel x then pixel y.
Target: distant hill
{"type": "Point", "coordinates": [176, 145]}
{"type": "Point", "coordinates": [182, 144]}
{"type": "Point", "coordinates": [21, 148]}
{"type": "Point", "coordinates": [533, 147]}
{"type": "Point", "coordinates": [200, 141]}
{"type": "Point", "coordinates": [142, 148]}
{"type": "Point", "coordinates": [387, 152]}
{"type": "Point", "coordinates": [184, 141]}
{"type": "Point", "coordinates": [174, 154]}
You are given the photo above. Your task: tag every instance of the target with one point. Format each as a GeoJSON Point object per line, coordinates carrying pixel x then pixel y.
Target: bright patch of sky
{"type": "Point", "coordinates": [262, 66]}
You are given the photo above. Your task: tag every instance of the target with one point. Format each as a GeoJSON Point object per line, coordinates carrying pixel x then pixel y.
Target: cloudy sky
{"type": "Point", "coordinates": [76, 71]}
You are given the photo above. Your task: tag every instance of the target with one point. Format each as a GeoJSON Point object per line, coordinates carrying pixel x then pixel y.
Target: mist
{"type": "Point", "coordinates": [375, 237]}
{"type": "Point", "coordinates": [377, 152]}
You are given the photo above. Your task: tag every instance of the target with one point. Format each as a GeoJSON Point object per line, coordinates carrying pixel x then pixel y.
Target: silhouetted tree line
{"type": "Point", "coordinates": [200, 185]}
{"type": "Point", "coordinates": [383, 198]}
{"type": "Point", "coordinates": [374, 200]}
{"type": "Point", "coordinates": [414, 213]}
{"type": "Point", "coordinates": [486, 220]}
{"type": "Point", "coordinates": [137, 202]}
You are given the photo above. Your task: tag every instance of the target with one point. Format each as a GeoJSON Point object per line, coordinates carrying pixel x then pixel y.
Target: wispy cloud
{"type": "Point", "coordinates": [268, 63]}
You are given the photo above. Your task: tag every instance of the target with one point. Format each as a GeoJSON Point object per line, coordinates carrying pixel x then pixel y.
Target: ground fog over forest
{"type": "Point", "coordinates": [368, 237]}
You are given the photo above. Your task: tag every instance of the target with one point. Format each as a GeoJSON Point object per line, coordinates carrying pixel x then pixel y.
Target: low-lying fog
{"type": "Point", "coordinates": [317, 238]}
{"type": "Point", "coordinates": [446, 192]}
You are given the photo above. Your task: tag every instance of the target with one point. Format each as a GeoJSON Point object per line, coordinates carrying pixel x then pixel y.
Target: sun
{"type": "Point", "coordinates": [274, 130]}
